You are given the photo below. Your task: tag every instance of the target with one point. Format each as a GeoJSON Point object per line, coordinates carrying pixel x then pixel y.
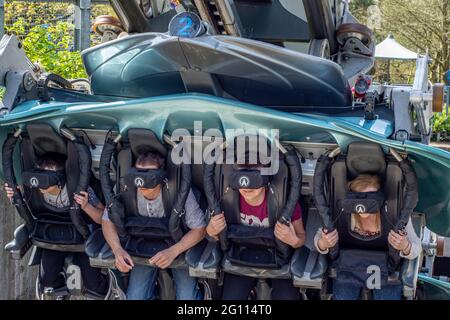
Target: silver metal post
{"type": "Point", "coordinates": [2, 18]}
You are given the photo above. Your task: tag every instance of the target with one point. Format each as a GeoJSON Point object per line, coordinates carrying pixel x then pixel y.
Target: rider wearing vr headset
{"type": "Point", "coordinates": [149, 177]}
{"type": "Point", "coordinates": [253, 188]}
{"type": "Point", "coordinates": [49, 177]}
{"type": "Point", "coordinates": [365, 202]}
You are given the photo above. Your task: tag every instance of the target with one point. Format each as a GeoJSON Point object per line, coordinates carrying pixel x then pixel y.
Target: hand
{"type": "Point", "coordinates": [123, 261]}
{"type": "Point", "coordinates": [398, 241]}
{"type": "Point", "coordinates": [164, 259]}
{"type": "Point", "coordinates": [9, 191]}
{"type": "Point", "coordinates": [328, 240]}
{"type": "Point", "coordinates": [286, 234]}
{"type": "Point", "coordinates": [82, 199]}
{"type": "Point", "coordinates": [216, 225]}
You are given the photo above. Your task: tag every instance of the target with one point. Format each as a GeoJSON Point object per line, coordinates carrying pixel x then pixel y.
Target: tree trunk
{"type": "Point", "coordinates": [445, 36]}
{"type": "Point", "coordinates": [17, 280]}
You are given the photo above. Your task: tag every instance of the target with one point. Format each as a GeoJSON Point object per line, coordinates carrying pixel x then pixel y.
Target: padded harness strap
{"type": "Point", "coordinates": [10, 179]}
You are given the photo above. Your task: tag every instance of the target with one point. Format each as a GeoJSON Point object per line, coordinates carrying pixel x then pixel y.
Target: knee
{"type": "Point", "coordinates": [188, 290]}
{"type": "Point", "coordinates": [52, 279]}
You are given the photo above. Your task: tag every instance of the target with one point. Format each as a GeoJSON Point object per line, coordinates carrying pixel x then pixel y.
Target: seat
{"type": "Point", "coordinates": [204, 259]}
{"type": "Point", "coordinates": [247, 250]}
{"type": "Point", "coordinates": [308, 267]}
{"type": "Point", "coordinates": [99, 252]}
{"type": "Point", "coordinates": [399, 186]}
{"type": "Point", "coordinates": [141, 237]}
{"type": "Point", "coordinates": [48, 227]}
{"type": "Point", "coordinates": [63, 229]}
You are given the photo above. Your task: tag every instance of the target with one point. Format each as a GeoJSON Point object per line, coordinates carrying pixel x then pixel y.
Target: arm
{"type": "Point", "coordinates": [111, 236]}
{"type": "Point", "coordinates": [216, 225]}
{"type": "Point", "coordinates": [122, 259]}
{"type": "Point", "coordinates": [9, 192]}
{"type": "Point", "coordinates": [94, 211]}
{"type": "Point", "coordinates": [409, 245]}
{"type": "Point", "coordinates": [189, 240]}
{"type": "Point", "coordinates": [416, 244]}
{"type": "Point", "coordinates": [324, 241]}
{"type": "Point", "coordinates": [317, 237]}
{"type": "Point", "coordinates": [293, 235]}
{"type": "Point", "coordinates": [195, 221]}
{"type": "Point", "coordinates": [300, 233]}
{"type": "Point", "coordinates": [164, 259]}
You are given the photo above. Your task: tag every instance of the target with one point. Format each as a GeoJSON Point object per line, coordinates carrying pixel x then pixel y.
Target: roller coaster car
{"type": "Point", "coordinates": [226, 65]}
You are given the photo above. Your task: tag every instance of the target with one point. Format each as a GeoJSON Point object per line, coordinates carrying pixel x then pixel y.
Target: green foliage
{"type": "Point", "coordinates": [47, 33]}
{"type": "Point", "coordinates": [441, 123]}
{"type": "Point", "coordinates": [419, 25]}
{"type": "Point", "coordinates": [50, 46]}
{"type": "Point", "coordinates": [358, 6]}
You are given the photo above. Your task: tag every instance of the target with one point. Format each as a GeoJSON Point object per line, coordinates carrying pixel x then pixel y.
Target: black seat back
{"type": "Point", "coordinates": [54, 226]}
{"type": "Point", "coordinates": [369, 158]}
{"type": "Point", "coordinates": [246, 245]}
{"type": "Point", "coordinates": [149, 235]}
{"type": "Point", "coordinates": [141, 141]}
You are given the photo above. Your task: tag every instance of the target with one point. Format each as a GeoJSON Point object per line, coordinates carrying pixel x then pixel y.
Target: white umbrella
{"type": "Point", "coordinates": [389, 48]}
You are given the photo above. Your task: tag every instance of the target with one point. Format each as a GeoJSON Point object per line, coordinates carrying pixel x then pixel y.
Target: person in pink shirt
{"type": "Point", "coordinates": [254, 212]}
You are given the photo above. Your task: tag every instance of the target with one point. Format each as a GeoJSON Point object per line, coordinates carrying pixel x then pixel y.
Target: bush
{"type": "Point", "coordinates": [50, 46]}
{"type": "Point", "coordinates": [441, 124]}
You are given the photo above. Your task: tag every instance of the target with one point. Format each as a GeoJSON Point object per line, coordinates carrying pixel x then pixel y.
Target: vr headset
{"type": "Point", "coordinates": [248, 179]}
{"type": "Point", "coordinates": [363, 202]}
{"type": "Point", "coordinates": [145, 178]}
{"type": "Point", "coordinates": [43, 179]}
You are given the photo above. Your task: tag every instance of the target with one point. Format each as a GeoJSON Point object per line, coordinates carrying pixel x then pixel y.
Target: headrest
{"type": "Point", "coordinates": [145, 178]}
{"type": "Point", "coordinates": [363, 202]}
{"type": "Point", "coordinates": [145, 140]}
{"type": "Point", "coordinates": [43, 179]}
{"type": "Point", "coordinates": [247, 179]}
{"type": "Point", "coordinates": [365, 157]}
{"type": "Point", "coordinates": [45, 139]}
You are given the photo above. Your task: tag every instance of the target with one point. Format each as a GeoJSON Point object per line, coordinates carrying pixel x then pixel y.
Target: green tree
{"type": "Point", "coordinates": [50, 47]}
{"type": "Point", "coordinates": [359, 8]}
{"type": "Point", "coordinates": [47, 33]}
{"type": "Point", "coordinates": [419, 25]}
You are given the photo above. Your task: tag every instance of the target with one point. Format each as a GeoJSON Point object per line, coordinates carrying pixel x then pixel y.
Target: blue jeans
{"type": "Point", "coordinates": [142, 282]}
{"type": "Point", "coordinates": [352, 292]}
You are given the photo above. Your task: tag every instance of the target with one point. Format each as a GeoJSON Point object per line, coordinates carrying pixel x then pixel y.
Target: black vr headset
{"type": "Point", "coordinates": [43, 179]}
{"type": "Point", "coordinates": [248, 179]}
{"type": "Point", "coordinates": [145, 178]}
{"type": "Point", "coordinates": [363, 202]}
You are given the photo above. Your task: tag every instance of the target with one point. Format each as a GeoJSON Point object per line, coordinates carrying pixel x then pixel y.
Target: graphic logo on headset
{"type": "Point", "coordinates": [244, 182]}
{"type": "Point", "coordinates": [34, 182]}
{"type": "Point", "coordinates": [139, 182]}
{"type": "Point", "coordinates": [360, 208]}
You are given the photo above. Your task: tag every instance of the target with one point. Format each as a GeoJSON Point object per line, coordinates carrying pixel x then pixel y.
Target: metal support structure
{"type": "Point", "coordinates": [82, 24]}
{"type": "Point", "coordinates": [2, 18]}
{"type": "Point", "coordinates": [447, 100]}
{"type": "Point", "coordinates": [421, 98]}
